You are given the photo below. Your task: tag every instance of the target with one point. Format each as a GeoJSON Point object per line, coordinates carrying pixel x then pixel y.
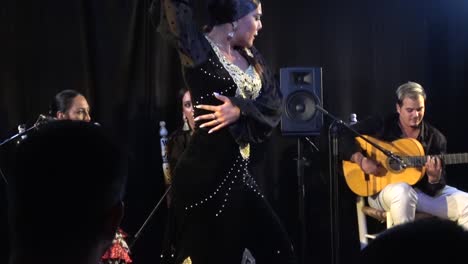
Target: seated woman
{"type": "Point", "coordinates": [70, 104]}
{"type": "Point", "coordinates": [180, 138]}
{"type": "Point", "coordinates": [176, 145]}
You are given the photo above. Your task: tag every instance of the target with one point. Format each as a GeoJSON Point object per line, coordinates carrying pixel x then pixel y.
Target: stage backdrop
{"type": "Point", "coordinates": [110, 51]}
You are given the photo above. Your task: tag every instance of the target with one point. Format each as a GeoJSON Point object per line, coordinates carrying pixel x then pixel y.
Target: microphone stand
{"type": "Point", "coordinates": [387, 153]}
{"type": "Point", "coordinates": [19, 134]}
{"type": "Point", "coordinates": [4, 142]}
{"type": "Point", "coordinates": [333, 192]}
{"type": "Point", "coordinates": [137, 234]}
{"type": "Point", "coordinates": [333, 165]}
{"type": "Point", "coordinates": [3, 176]}
{"type": "Point", "coordinates": [166, 170]}
{"type": "Point", "coordinates": [301, 162]}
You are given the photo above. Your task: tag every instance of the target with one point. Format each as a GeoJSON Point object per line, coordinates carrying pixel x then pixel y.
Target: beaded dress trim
{"type": "Point", "coordinates": [248, 84]}
{"type": "Point", "coordinates": [237, 173]}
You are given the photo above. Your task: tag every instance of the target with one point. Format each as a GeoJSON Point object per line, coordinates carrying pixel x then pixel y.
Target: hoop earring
{"type": "Point", "coordinates": [186, 126]}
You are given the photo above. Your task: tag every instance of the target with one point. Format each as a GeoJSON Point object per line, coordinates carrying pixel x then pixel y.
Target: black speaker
{"type": "Point", "coordinates": [302, 91]}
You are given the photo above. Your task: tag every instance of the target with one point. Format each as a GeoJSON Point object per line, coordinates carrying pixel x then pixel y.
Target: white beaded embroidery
{"type": "Point", "coordinates": [248, 83]}
{"type": "Point", "coordinates": [222, 92]}
{"type": "Point", "coordinates": [238, 172]}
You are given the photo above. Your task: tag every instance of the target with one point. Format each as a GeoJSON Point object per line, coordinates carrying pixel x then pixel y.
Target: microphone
{"type": "Point", "coordinates": [45, 118]}
{"type": "Point", "coordinates": [21, 130]}
{"type": "Point", "coordinates": [352, 119]}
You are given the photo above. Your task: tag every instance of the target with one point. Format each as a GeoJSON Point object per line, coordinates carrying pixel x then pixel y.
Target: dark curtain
{"type": "Point", "coordinates": [109, 51]}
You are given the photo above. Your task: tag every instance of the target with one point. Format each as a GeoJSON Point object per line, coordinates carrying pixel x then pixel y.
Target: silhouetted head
{"type": "Point", "coordinates": [65, 196]}
{"type": "Point", "coordinates": [427, 241]}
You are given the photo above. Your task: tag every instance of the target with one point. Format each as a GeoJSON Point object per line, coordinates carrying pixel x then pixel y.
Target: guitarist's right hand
{"type": "Point", "coordinates": [369, 165]}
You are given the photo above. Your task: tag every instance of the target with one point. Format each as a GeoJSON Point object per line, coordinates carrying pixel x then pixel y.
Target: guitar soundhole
{"type": "Point", "coordinates": [394, 165]}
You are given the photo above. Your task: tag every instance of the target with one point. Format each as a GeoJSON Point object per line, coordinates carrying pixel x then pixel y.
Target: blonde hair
{"type": "Point", "coordinates": [409, 90]}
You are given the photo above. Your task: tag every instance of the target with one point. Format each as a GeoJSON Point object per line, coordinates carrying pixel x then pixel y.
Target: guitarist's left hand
{"type": "Point", "coordinates": [433, 169]}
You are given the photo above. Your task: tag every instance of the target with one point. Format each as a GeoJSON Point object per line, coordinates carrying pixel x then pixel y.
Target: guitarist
{"type": "Point", "coordinates": [430, 194]}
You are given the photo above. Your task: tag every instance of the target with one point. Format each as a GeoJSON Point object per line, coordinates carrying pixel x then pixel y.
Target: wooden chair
{"type": "Point", "coordinates": [363, 211]}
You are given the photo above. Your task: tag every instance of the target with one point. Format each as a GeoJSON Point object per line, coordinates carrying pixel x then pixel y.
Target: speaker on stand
{"type": "Point", "coordinates": [302, 92]}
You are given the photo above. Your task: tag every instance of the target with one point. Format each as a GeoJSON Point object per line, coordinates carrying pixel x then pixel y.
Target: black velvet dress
{"type": "Point", "coordinates": [220, 214]}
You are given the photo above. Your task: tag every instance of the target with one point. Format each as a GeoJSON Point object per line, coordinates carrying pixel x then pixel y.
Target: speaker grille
{"type": "Point", "coordinates": [300, 106]}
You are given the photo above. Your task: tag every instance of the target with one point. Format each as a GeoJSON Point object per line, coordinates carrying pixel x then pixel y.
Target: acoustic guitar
{"type": "Point", "coordinates": [411, 170]}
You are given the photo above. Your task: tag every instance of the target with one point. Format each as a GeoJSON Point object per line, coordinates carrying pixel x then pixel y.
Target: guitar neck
{"type": "Point", "coordinates": [419, 161]}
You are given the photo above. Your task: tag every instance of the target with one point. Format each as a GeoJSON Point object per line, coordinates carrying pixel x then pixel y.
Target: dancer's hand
{"type": "Point", "coordinates": [221, 116]}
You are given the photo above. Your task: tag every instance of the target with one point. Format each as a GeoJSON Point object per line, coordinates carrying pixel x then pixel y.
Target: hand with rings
{"type": "Point", "coordinates": [215, 119]}
{"type": "Point", "coordinates": [221, 116]}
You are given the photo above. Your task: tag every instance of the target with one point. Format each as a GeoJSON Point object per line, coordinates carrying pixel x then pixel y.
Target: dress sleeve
{"type": "Point", "coordinates": [178, 26]}
{"type": "Point", "coordinates": [259, 116]}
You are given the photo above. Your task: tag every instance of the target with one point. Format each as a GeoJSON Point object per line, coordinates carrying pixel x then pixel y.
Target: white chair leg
{"type": "Point", "coordinates": [362, 222]}
{"type": "Point", "coordinates": [389, 220]}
